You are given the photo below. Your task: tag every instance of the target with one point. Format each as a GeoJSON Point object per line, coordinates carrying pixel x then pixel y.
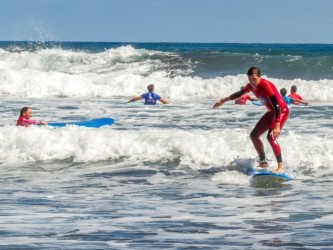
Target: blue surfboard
{"type": "Point", "coordinates": [247, 166]}
{"type": "Point", "coordinates": [258, 103]}
{"type": "Point", "coordinates": [94, 123]}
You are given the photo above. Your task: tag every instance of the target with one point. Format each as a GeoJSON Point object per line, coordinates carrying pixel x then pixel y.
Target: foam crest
{"type": "Point", "coordinates": [65, 73]}
{"type": "Point", "coordinates": [215, 148]}
{"type": "Point", "coordinates": [124, 72]}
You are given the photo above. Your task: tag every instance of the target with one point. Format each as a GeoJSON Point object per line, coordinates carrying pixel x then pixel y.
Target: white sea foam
{"type": "Point", "coordinates": [196, 149]}
{"type": "Point", "coordinates": [122, 72]}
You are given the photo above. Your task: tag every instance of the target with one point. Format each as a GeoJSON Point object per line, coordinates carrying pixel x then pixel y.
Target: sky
{"type": "Point", "coordinates": [206, 21]}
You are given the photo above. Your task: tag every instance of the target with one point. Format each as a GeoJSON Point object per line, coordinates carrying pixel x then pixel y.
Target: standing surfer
{"type": "Point", "coordinates": [272, 121]}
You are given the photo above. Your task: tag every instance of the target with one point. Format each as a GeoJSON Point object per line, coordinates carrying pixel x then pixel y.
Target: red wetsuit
{"type": "Point", "coordinates": [242, 100]}
{"type": "Point", "coordinates": [278, 111]}
{"type": "Point", "coordinates": [295, 96]}
{"type": "Point", "coordinates": [22, 121]}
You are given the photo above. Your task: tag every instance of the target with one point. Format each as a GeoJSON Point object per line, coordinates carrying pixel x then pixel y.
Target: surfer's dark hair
{"type": "Point", "coordinates": [293, 89]}
{"type": "Point", "coordinates": [283, 91]}
{"type": "Point", "coordinates": [150, 87]}
{"type": "Point", "coordinates": [253, 71]}
{"type": "Point", "coordinates": [23, 110]}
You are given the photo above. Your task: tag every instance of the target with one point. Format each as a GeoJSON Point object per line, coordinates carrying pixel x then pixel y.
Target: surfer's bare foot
{"type": "Point", "coordinates": [263, 165]}
{"type": "Point", "coordinates": [280, 168]}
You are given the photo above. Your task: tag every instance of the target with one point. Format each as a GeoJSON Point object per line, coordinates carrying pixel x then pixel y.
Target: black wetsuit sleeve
{"type": "Point", "coordinates": [276, 107]}
{"type": "Point", "coordinates": [237, 94]}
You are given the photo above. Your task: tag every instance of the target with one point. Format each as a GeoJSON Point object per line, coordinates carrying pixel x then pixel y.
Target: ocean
{"type": "Point", "coordinates": [161, 177]}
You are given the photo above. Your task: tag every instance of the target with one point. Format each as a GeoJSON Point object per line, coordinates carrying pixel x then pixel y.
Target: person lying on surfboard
{"type": "Point", "coordinates": [150, 98]}
{"type": "Point", "coordinates": [293, 94]}
{"type": "Point", "coordinates": [24, 119]}
{"type": "Point", "coordinates": [272, 121]}
{"type": "Point", "coordinates": [290, 100]}
{"type": "Point", "coordinates": [242, 100]}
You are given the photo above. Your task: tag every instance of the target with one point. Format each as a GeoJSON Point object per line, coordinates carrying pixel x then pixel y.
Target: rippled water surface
{"type": "Point", "coordinates": [161, 178]}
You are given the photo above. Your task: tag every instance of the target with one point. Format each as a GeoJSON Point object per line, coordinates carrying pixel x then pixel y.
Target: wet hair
{"type": "Point", "coordinates": [253, 71]}
{"type": "Point", "coordinates": [283, 91]}
{"type": "Point", "coordinates": [24, 110]}
{"type": "Point", "coordinates": [150, 87]}
{"type": "Point", "coordinates": [293, 89]}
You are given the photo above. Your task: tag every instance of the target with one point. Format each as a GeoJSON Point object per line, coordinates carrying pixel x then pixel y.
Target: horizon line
{"type": "Point", "coordinates": [74, 41]}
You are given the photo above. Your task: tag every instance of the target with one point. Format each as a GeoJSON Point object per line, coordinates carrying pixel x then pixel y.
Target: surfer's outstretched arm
{"type": "Point", "coordinates": [134, 99]}
{"type": "Point", "coordinates": [164, 101]}
{"type": "Point", "coordinates": [234, 96]}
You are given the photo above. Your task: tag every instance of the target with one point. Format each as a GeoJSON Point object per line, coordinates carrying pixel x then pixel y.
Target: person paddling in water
{"type": "Point", "coordinates": [290, 100]}
{"type": "Point", "coordinates": [272, 121]}
{"type": "Point", "coordinates": [150, 98]}
{"type": "Point", "coordinates": [242, 100]}
{"type": "Point", "coordinates": [24, 119]}
{"type": "Point", "coordinates": [293, 94]}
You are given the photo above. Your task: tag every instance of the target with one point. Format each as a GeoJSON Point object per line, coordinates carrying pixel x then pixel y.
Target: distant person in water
{"type": "Point", "coordinates": [271, 122]}
{"type": "Point", "coordinates": [150, 97]}
{"type": "Point", "coordinates": [24, 119]}
{"type": "Point", "coordinates": [242, 100]}
{"type": "Point", "coordinates": [293, 94]}
{"type": "Point", "coordinates": [290, 100]}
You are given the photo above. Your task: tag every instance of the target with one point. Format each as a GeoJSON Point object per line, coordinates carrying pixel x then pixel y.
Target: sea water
{"type": "Point", "coordinates": [161, 177]}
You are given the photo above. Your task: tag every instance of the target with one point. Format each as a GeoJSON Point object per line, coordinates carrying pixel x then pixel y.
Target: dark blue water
{"type": "Point", "coordinates": [209, 60]}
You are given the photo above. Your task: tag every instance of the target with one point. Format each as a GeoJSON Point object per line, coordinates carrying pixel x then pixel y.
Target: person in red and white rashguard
{"type": "Point", "coordinates": [272, 121]}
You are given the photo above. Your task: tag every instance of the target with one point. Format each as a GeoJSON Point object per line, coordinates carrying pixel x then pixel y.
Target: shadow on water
{"type": "Point", "coordinates": [269, 182]}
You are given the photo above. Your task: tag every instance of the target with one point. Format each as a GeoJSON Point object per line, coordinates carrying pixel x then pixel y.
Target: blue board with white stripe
{"type": "Point", "coordinates": [247, 166]}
